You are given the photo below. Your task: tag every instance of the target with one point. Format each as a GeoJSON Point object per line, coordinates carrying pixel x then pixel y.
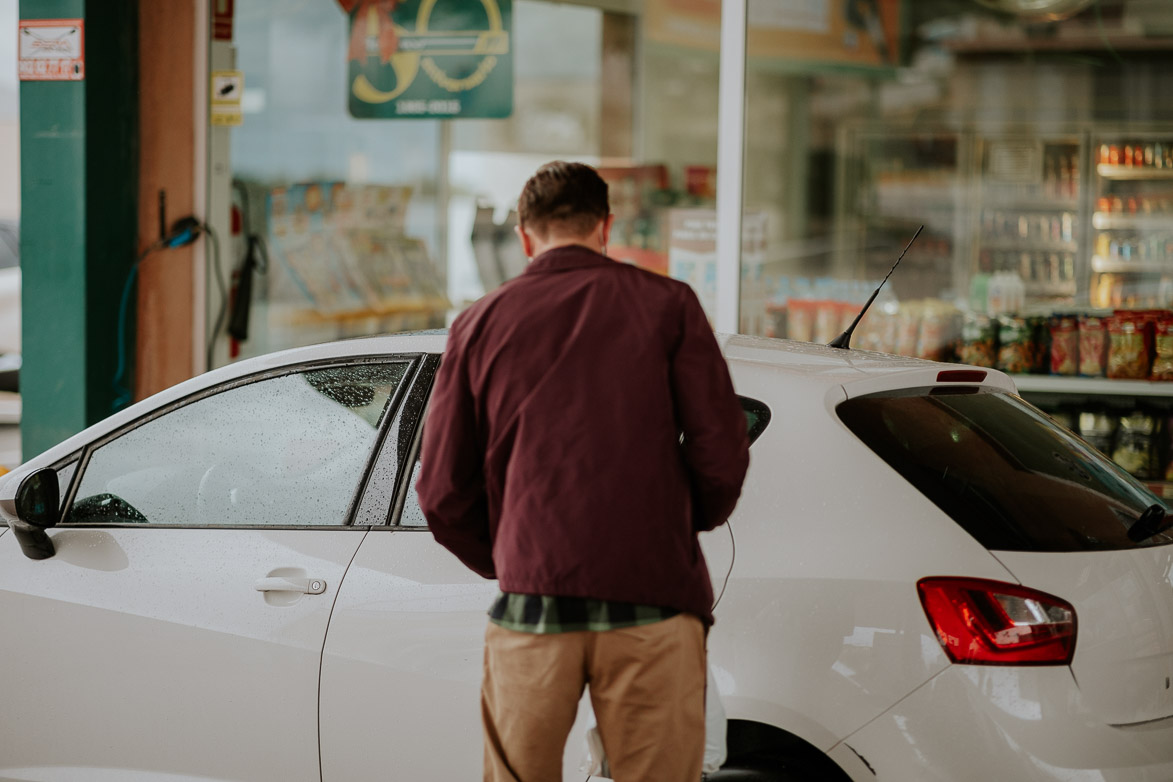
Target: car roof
{"type": "Point", "coordinates": [856, 371]}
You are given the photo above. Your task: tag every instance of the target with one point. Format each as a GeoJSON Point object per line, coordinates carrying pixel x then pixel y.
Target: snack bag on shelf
{"type": "Point", "coordinates": [908, 329]}
{"type": "Point", "coordinates": [935, 331]}
{"type": "Point", "coordinates": [979, 341]}
{"type": "Point", "coordinates": [827, 320]}
{"type": "Point", "coordinates": [1163, 362]}
{"type": "Point", "coordinates": [1136, 445]}
{"type": "Point", "coordinates": [1098, 430]}
{"type": "Point", "coordinates": [1015, 346]}
{"type": "Point", "coordinates": [1093, 346]}
{"type": "Point", "coordinates": [1128, 355]}
{"type": "Point", "coordinates": [877, 330]}
{"type": "Point", "coordinates": [800, 320]}
{"type": "Point", "coordinates": [1064, 345]}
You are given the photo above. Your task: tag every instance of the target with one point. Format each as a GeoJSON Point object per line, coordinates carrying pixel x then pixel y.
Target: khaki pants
{"type": "Point", "coordinates": [647, 686]}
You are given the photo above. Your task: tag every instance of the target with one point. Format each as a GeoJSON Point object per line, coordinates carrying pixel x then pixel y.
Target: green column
{"type": "Point", "coordinates": [78, 157]}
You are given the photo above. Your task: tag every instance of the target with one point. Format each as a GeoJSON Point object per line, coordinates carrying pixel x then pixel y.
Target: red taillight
{"type": "Point", "coordinates": [991, 623]}
{"type": "Point", "coordinates": [961, 376]}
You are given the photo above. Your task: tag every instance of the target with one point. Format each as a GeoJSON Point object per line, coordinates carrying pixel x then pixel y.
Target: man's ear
{"type": "Point", "coordinates": [527, 242]}
{"type": "Point", "coordinates": [607, 223]}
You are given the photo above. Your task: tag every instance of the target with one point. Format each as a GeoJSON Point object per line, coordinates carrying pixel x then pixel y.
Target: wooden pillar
{"type": "Point", "coordinates": [167, 117]}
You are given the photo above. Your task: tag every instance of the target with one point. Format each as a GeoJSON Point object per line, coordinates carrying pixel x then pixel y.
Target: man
{"type": "Point", "coordinates": [582, 430]}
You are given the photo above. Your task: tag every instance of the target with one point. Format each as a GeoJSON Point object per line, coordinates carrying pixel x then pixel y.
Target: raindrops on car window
{"type": "Point", "coordinates": [284, 451]}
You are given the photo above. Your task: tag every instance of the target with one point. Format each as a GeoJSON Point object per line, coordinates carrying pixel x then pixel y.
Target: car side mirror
{"type": "Point", "coordinates": [38, 507]}
{"type": "Point", "coordinates": [38, 499]}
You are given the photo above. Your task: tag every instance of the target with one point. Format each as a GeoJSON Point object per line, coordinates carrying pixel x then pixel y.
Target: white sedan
{"type": "Point", "coordinates": [925, 579]}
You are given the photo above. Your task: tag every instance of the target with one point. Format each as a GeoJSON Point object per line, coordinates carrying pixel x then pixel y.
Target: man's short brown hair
{"type": "Point", "coordinates": [567, 199]}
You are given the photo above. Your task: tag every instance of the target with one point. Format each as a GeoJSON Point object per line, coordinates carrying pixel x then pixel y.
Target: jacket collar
{"type": "Point", "coordinates": [572, 256]}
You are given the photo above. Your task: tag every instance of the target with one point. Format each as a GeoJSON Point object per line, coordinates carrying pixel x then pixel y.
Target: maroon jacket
{"type": "Point", "coordinates": [552, 456]}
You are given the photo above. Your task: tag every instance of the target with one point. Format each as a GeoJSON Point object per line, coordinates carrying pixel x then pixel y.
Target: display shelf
{"type": "Point", "coordinates": [1018, 204]}
{"type": "Point", "coordinates": [1111, 265]}
{"type": "Point", "coordinates": [1094, 386]}
{"type": "Point", "coordinates": [1108, 171]}
{"type": "Point", "coordinates": [1043, 289]}
{"type": "Point", "coordinates": [1106, 221]}
{"type": "Point", "coordinates": [1027, 245]}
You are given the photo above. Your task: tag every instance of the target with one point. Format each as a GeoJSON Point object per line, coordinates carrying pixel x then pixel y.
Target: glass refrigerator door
{"type": "Point", "coordinates": [1132, 244]}
{"type": "Point", "coordinates": [1027, 239]}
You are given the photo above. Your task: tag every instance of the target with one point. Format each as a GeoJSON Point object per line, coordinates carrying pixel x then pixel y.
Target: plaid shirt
{"type": "Point", "coordinates": [544, 615]}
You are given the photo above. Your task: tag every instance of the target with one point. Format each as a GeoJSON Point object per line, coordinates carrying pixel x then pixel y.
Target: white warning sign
{"type": "Point", "coordinates": [51, 50]}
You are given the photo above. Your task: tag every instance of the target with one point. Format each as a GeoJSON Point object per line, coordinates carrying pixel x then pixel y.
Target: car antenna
{"type": "Point", "coordinates": [843, 341]}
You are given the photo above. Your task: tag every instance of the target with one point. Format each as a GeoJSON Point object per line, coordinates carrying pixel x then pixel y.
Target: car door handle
{"type": "Point", "coordinates": [306, 586]}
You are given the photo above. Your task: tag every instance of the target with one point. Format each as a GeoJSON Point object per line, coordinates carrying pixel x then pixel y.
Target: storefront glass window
{"type": "Point", "coordinates": [378, 215]}
{"type": "Point", "coordinates": [1037, 152]}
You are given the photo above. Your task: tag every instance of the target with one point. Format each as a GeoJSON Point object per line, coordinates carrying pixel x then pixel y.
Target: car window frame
{"type": "Point", "coordinates": [383, 500]}
{"type": "Point", "coordinates": [394, 404]}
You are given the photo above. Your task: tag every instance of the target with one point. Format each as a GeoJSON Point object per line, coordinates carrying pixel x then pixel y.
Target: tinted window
{"type": "Point", "coordinates": [1004, 471]}
{"type": "Point", "coordinates": [287, 451]}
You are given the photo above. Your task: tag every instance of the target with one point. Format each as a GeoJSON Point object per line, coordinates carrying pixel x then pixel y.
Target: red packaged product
{"type": "Point", "coordinates": [1093, 346]}
{"type": "Point", "coordinates": [1128, 355]}
{"type": "Point", "coordinates": [1163, 361]}
{"type": "Point", "coordinates": [1064, 345]}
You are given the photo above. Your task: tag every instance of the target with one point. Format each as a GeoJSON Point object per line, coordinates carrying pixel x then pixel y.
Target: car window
{"type": "Point", "coordinates": [412, 516]}
{"type": "Point", "coordinates": [1009, 475]}
{"type": "Point", "coordinates": [288, 451]}
{"type": "Point", "coordinates": [65, 475]}
{"type": "Point", "coordinates": [757, 418]}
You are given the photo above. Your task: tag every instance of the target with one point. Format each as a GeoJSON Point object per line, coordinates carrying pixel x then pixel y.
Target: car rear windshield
{"type": "Point", "coordinates": [1009, 475]}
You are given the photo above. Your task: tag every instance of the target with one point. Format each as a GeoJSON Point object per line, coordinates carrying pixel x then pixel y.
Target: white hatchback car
{"type": "Point", "coordinates": [931, 581]}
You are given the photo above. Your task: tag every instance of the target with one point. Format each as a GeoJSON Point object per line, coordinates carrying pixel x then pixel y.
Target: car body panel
{"type": "Point", "coordinates": [157, 639]}
{"type": "Point", "coordinates": [975, 723]}
{"type": "Point", "coordinates": [805, 552]}
{"type": "Point", "coordinates": [1123, 601]}
{"type": "Point", "coordinates": [858, 371]}
{"type": "Point", "coordinates": [406, 638]}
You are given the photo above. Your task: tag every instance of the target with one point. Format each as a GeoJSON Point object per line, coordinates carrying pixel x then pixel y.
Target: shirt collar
{"type": "Point", "coordinates": [571, 256]}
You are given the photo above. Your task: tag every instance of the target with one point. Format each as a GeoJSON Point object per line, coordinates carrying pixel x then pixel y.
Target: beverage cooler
{"type": "Point", "coordinates": [1132, 222]}
{"type": "Point", "coordinates": [1048, 255]}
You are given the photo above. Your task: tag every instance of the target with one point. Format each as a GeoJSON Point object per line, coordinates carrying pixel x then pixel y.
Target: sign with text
{"type": "Point", "coordinates": [430, 59]}
{"type": "Point", "coordinates": [51, 50]}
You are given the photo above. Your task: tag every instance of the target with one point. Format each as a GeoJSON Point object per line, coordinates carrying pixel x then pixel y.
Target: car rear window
{"type": "Point", "coordinates": [1009, 475]}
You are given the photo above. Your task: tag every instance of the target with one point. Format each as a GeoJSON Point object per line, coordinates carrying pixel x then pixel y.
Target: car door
{"type": "Point", "coordinates": [403, 659]}
{"type": "Point", "coordinates": [177, 631]}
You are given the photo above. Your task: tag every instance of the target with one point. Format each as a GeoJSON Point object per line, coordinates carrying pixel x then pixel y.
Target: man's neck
{"type": "Point", "coordinates": [589, 242]}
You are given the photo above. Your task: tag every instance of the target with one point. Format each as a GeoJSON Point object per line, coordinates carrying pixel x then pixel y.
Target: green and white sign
{"type": "Point", "coordinates": [431, 59]}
